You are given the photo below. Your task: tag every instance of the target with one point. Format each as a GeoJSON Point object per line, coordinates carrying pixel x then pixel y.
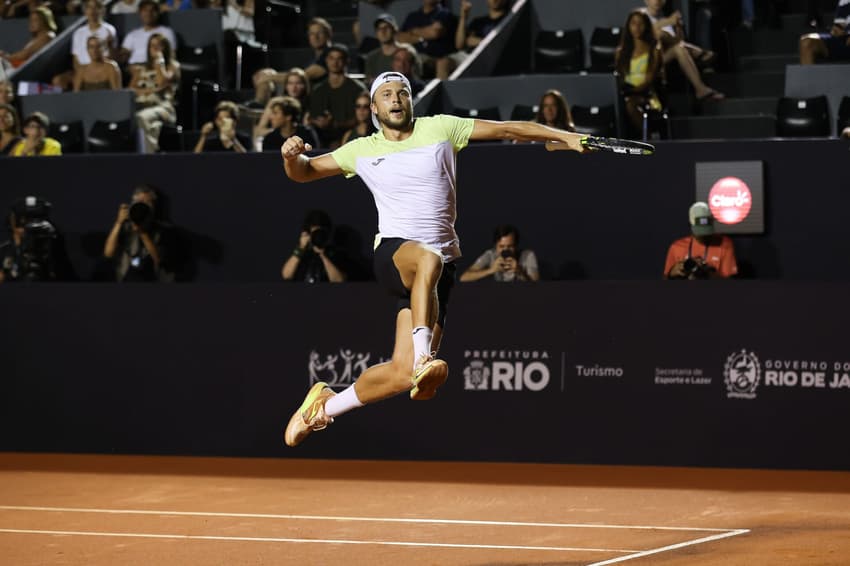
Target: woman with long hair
{"type": "Point", "coordinates": [42, 29]}
{"type": "Point", "coordinates": [639, 65]}
{"type": "Point", "coordinates": [10, 128]}
{"type": "Point", "coordinates": [155, 84]}
{"type": "Point", "coordinates": [553, 111]}
{"type": "Point", "coordinates": [363, 114]}
{"type": "Point", "coordinates": [101, 74]}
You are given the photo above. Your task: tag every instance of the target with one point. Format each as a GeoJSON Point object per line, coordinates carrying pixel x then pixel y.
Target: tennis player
{"type": "Point", "coordinates": [409, 166]}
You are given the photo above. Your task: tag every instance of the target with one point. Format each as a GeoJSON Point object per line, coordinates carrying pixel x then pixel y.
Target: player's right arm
{"type": "Point", "coordinates": [301, 168]}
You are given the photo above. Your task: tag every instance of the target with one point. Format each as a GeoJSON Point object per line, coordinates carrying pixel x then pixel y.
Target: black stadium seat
{"type": "Point", "coordinates": [111, 137]}
{"type": "Point", "coordinates": [595, 120]}
{"type": "Point", "coordinates": [560, 51]}
{"type": "Point", "coordinates": [802, 117]}
{"type": "Point", "coordinates": [603, 47]}
{"type": "Point", "coordinates": [70, 134]}
{"type": "Point", "coordinates": [524, 112]}
{"type": "Point", "coordinates": [844, 114]}
{"type": "Point", "coordinates": [480, 113]}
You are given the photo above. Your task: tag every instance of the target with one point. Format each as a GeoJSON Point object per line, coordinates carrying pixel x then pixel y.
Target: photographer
{"type": "Point", "coordinates": [314, 259]}
{"type": "Point", "coordinates": [504, 262]}
{"type": "Point", "coordinates": [35, 252]}
{"type": "Point", "coordinates": [703, 254]}
{"type": "Point", "coordinates": [139, 243]}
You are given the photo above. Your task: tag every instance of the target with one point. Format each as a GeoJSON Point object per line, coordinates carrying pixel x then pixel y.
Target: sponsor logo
{"type": "Point", "coordinates": [730, 200]}
{"type": "Point", "coordinates": [807, 373]}
{"type": "Point", "coordinates": [506, 370]}
{"type": "Point", "coordinates": [742, 373]}
{"type": "Point", "coordinates": [339, 370]}
{"type": "Point", "coordinates": [598, 371]}
{"type": "Point", "coordinates": [378, 161]}
{"type": "Point", "coordinates": [681, 376]}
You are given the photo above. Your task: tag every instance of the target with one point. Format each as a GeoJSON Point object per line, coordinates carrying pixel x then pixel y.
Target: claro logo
{"type": "Point", "coordinates": [730, 200]}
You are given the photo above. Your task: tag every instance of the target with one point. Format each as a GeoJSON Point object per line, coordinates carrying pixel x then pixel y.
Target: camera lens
{"type": "Point", "coordinates": [140, 213]}
{"type": "Point", "coordinates": [320, 237]}
{"type": "Point", "coordinates": [506, 254]}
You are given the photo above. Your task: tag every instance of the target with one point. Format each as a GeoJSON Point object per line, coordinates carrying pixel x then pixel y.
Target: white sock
{"type": "Point", "coordinates": [421, 343]}
{"type": "Point", "coordinates": [342, 402]}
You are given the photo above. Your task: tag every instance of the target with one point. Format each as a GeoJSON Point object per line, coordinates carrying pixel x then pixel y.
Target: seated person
{"type": "Point", "coordinates": [553, 111]}
{"type": "Point", "coordinates": [406, 62]}
{"type": "Point", "coordinates": [224, 124]}
{"type": "Point", "coordinates": [100, 73]}
{"type": "Point", "coordinates": [134, 48]}
{"type": "Point", "coordinates": [380, 59]}
{"type": "Point", "coordinates": [314, 259]}
{"type": "Point", "coordinates": [363, 112]}
{"type": "Point", "coordinates": [286, 122]}
{"type": "Point", "coordinates": [36, 142]}
{"type": "Point", "coordinates": [42, 26]}
{"type": "Point", "coordinates": [703, 254]}
{"type": "Point", "coordinates": [832, 46]}
{"type": "Point", "coordinates": [155, 84]}
{"type": "Point", "coordinates": [670, 33]}
{"type": "Point", "coordinates": [431, 30]}
{"type": "Point", "coordinates": [94, 27]}
{"type": "Point", "coordinates": [504, 262]}
{"type": "Point", "coordinates": [332, 102]}
{"type": "Point", "coordinates": [470, 34]}
{"type": "Point", "coordinates": [125, 7]}
{"type": "Point", "coordinates": [638, 61]}
{"type": "Point", "coordinates": [140, 245]}
{"type": "Point", "coordinates": [319, 36]}
{"type": "Point", "coordinates": [10, 128]}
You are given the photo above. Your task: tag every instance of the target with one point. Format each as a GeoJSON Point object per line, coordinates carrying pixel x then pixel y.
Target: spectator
{"type": "Point", "coordinates": [99, 73]}
{"type": "Point", "coordinates": [140, 245]}
{"type": "Point", "coordinates": [10, 128]}
{"type": "Point", "coordinates": [155, 84]}
{"type": "Point", "coordinates": [431, 30]}
{"type": "Point", "coordinates": [669, 31]}
{"type": "Point", "coordinates": [638, 61]}
{"type": "Point", "coordinates": [469, 35]}
{"type": "Point", "coordinates": [553, 111]}
{"type": "Point", "coordinates": [42, 28]}
{"type": "Point", "coordinates": [363, 114]}
{"type": "Point", "coordinates": [35, 141]}
{"type": "Point", "coordinates": [314, 259]}
{"type": "Point", "coordinates": [332, 102]}
{"type": "Point", "coordinates": [125, 7]}
{"type": "Point", "coordinates": [297, 85]}
{"type": "Point", "coordinates": [832, 46]}
{"type": "Point", "coordinates": [238, 21]}
{"type": "Point", "coordinates": [286, 122]}
{"type": "Point", "coordinates": [224, 124]}
{"type": "Point", "coordinates": [504, 262]}
{"type": "Point", "coordinates": [173, 5]}
{"type": "Point", "coordinates": [319, 35]}
{"type": "Point", "coordinates": [94, 27]}
{"type": "Point", "coordinates": [36, 251]}
{"type": "Point", "coordinates": [703, 254]}
{"type": "Point", "coordinates": [381, 59]}
{"type": "Point", "coordinates": [406, 62]}
{"type": "Point", "coordinates": [134, 48]}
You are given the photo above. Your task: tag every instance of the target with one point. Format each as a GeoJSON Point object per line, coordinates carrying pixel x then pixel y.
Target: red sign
{"type": "Point", "coordinates": [730, 200]}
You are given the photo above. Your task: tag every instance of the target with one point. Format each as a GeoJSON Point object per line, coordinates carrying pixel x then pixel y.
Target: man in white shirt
{"type": "Point", "coordinates": [134, 48]}
{"type": "Point", "coordinates": [94, 27]}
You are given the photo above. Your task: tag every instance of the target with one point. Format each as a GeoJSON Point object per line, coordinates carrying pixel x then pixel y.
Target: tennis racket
{"type": "Point", "coordinates": [596, 143]}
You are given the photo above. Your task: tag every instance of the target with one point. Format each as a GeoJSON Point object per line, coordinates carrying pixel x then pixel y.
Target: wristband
{"type": "Point", "coordinates": [297, 252]}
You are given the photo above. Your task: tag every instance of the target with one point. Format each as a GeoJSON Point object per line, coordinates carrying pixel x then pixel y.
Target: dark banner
{"type": "Point", "coordinates": [741, 374]}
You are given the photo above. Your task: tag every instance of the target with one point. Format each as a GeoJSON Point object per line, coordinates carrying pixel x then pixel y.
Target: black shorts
{"type": "Point", "coordinates": [388, 277]}
{"type": "Point", "coordinates": [836, 47]}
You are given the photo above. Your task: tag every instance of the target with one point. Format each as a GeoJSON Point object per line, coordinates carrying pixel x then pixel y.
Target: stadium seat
{"type": "Point", "coordinates": [111, 137]}
{"type": "Point", "coordinates": [844, 114]}
{"type": "Point", "coordinates": [70, 134]}
{"type": "Point", "coordinates": [480, 113]}
{"type": "Point", "coordinates": [198, 63]}
{"type": "Point", "coordinates": [603, 47]}
{"type": "Point", "coordinates": [595, 120]}
{"type": "Point", "coordinates": [523, 112]}
{"type": "Point", "coordinates": [560, 51]}
{"type": "Point", "coordinates": [171, 138]}
{"type": "Point", "coordinates": [802, 117]}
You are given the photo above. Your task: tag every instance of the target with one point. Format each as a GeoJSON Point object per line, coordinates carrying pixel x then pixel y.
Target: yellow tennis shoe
{"type": "Point", "coordinates": [310, 415]}
{"type": "Point", "coordinates": [428, 375]}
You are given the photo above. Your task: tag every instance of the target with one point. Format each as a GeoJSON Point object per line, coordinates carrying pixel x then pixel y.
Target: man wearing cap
{"type": "Point", "coordinates": [381, 59]}
{"type": "Point", "coordinates": [409, 166]}
{"type": "Point", "coordinates": [35, 140]}
{"type": "Point", "coordinates": [703, 254]}
{"type": "Point", "coordinates": [332, 102]}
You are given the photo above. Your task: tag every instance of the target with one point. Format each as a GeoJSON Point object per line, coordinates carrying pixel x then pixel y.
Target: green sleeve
{"type": "Point", "coordinates": [457, 129]}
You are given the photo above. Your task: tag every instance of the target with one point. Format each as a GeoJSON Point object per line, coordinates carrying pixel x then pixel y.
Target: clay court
{"type": "Point", "coordinates": [99, 510]}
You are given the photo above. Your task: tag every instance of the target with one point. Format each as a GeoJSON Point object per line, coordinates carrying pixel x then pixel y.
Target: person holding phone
{"type": "Point", "coordinates": [224, 124]}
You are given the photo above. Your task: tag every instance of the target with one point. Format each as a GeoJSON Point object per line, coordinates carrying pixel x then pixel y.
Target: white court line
{"type": "Point", "coordinates": [369, 519]}
{"type": "Point", "coordinates": [643, 553]}
{"type": "Point", "coordinates": [320, 541]}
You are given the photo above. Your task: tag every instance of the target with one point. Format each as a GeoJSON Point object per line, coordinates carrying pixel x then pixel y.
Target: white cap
{"type": "Point", "coordinates": [386, 77]}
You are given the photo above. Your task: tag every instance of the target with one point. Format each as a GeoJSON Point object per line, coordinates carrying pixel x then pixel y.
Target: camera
{"type": "Point", "coordinates": [508, 253]}
{"type": "Point", "coordinates": [320, 237]}
{"type": "Point", "coordinates": [32, 214]}
{"type": "Point", "coordinates": [140, 213]}
{"type": "Point", "coordinates": [696, 269]}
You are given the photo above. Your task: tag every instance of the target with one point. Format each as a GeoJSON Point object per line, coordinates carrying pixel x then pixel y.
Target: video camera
{"type": "Point", "coordinates": [32, 214]}
{"type": "Point", "coordinates": [696, 269]}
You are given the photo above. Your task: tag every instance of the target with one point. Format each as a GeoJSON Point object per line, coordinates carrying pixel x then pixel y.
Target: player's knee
{"type": "Point", "coordinates": [431, 264]}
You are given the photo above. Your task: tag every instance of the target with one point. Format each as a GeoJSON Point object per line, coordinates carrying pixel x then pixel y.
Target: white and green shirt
{"type": "Point", "coordinates": [413, 181]}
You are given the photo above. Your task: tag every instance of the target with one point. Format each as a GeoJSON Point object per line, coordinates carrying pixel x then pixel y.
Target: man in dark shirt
{"type": "Point", "coordinates": [469, 35]}
{"type": "Point", "coordinates": [286, 121]}
{"type": "Point", "coordinates": [314, 259]}
{"type": "Point", "coordinates": [332, 102]}
{"type": "Point", "coordinates": [431, 30]}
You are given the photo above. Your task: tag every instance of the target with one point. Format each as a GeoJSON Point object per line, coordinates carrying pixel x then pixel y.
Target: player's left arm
{"type": "Point", "coordinates": [523, 131]}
